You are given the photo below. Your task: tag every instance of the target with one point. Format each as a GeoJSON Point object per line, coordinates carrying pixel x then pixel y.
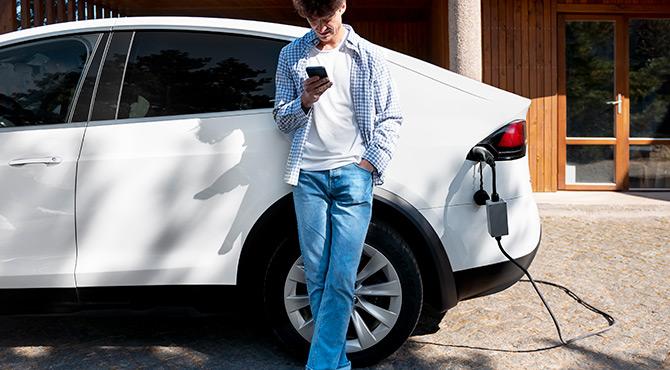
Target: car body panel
{"type": "Point", "coordinates": [37, 219]}
{"type": "Point", "coordinates": [170, 200]}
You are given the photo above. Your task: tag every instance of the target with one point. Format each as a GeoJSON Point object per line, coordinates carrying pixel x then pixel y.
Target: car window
{"type": "Point", "coordinates": [109, 85]}
{"type": "Point", "coordinates": [174, 73]}
{"type": "Point", "coordinates": [39, 79]}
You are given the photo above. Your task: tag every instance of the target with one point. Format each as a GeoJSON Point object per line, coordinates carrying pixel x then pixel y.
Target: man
{"type": "Point", "coordinates": [343, 129]}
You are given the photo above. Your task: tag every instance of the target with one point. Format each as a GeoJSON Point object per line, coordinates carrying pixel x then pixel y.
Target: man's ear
{"type": "Point", "coordinates": [343, 7]}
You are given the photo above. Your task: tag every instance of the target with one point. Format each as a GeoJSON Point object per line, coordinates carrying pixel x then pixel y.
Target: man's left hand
{"type": "Point", "coordinates": [366, 165]}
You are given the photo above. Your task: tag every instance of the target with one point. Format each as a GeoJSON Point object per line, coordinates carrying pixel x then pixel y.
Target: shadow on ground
{"type": "Point", "coordinates": [168, 340]}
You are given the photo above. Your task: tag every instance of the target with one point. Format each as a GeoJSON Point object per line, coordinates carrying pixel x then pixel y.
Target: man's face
{"type": "Point", "coordinates": [327, 27]}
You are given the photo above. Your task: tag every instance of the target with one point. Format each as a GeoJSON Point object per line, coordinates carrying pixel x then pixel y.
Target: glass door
{"type": "Point", "coordinates": [614, 103]}
{"type": "Point", "coordinates": [649, 78]}
{"type": "Point", "coordinates": [593, 104]}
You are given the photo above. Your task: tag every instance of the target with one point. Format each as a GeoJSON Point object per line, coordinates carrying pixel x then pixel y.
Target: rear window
{"type": "Point", "coordinates": [39, 79]}
{"type": "Point", "coordinates": [176, 73]}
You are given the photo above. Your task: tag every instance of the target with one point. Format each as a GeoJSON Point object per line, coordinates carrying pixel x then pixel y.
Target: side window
{"type": "Point", "coordinates": [39, 79]}
{"type": "Point", "coordinates": [173, 73]}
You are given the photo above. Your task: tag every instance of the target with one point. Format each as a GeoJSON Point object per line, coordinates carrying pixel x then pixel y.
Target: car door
{"type": "Point", "coordinates": [180, 158]}
{"type": "Point", "coordinates": [40, 81]}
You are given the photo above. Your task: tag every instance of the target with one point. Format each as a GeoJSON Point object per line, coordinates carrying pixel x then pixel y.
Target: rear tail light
{"type": "Point", "coordinates": [508, 142]}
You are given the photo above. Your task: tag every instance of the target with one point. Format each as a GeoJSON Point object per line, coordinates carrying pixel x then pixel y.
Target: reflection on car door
{"type": "Point", "coordinates": [38, 156]}
{"type": "Point", "coordinates": [180, 158]}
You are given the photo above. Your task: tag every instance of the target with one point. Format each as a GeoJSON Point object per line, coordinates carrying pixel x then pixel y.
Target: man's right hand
{"type": "Point", "coordinates": [313, 88]}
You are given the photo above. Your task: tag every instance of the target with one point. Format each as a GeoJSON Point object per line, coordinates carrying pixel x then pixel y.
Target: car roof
{"type": "Point", "coordinates": [256, 28]}
{"type": "Point", "coordinates": [261, 29]}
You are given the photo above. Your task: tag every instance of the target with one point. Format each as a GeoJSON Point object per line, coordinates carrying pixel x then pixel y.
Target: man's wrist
{"type": "Point", "coordinates": [305, 107]}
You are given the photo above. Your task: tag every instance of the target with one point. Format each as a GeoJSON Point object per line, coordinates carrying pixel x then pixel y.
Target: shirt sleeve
{"type": "Point", "coordinates": [287, 112]}
{"type": "Point", "coordinates": [388, 119]}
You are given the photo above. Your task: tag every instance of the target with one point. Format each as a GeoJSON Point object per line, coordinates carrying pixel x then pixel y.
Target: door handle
{"type": "Point", "coordinates": [618, 103]}
{"type": "Point", "coordinates": [37, 160]}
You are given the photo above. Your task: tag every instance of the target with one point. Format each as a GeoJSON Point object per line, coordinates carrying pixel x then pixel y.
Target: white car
{"type": "Point", "coordinates": [140, 161]}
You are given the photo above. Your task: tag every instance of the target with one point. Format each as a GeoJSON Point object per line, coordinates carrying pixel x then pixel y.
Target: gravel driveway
{"type": "Point", "coordinates": [616, 257]}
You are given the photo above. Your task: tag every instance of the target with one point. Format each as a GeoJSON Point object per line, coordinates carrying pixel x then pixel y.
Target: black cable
{"type": "Point", "coordinates": [609, 318]}
{"type": "Point", "coordinates": [571, 294]}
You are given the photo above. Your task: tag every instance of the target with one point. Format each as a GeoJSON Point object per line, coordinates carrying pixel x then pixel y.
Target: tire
{"type": "Point", "coordinates": [399, 265]}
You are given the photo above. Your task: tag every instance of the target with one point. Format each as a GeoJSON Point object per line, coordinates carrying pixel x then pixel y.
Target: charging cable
{"type": "Point", "coordinates": [496, 214]}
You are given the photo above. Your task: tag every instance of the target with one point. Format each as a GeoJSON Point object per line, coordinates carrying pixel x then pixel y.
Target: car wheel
{"type": "Point", "coordinates": [387, 303]}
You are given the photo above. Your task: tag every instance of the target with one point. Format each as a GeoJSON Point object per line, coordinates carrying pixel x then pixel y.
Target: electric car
{"type": "Point", "coordinates": [141, 165]}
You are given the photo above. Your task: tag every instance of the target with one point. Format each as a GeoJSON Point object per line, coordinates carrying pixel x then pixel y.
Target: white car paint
{"type": "Point", "coordinates": [170, 200]}
{"type": "Point", "coordinates": [37, 226]}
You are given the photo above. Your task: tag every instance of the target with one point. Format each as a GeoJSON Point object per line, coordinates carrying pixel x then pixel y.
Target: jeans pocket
{"type": "Point", "coordinates": [362, 169]}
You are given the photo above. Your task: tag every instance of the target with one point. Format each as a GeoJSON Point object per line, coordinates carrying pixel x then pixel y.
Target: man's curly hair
{"type": "Point", "coordinates": [316, 8]}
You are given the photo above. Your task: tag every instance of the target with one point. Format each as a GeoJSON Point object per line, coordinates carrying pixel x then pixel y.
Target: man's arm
{"type": "Point", "coordinates": [288, 112]}
{"type": "Point", "coordinates": [388, 118]}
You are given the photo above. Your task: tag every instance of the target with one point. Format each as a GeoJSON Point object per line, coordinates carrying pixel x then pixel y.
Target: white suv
{"type": "Point", "coordinates": [140, 164]}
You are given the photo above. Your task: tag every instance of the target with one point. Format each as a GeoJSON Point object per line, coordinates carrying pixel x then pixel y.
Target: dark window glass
{"type": "Point", "coordinates": [589, 56]}
{"type": "Point", "coordinates": [109, 86]}
{"type": "Point", "coordinates": [649, 78]}
{"type": "Point", "coordinates": [83, 105]}
{"type": "Point", "coordinates": [172, 73]}
{"type": "Point", "coordinates": [589, 164]}
{"type": "Point", "coordinates": [39, 79]}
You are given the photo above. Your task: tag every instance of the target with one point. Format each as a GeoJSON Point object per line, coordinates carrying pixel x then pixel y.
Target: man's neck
{"type": "Point", "coordinates": [332, 44]}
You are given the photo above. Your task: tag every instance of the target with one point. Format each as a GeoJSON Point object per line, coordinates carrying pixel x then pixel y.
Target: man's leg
{"type": "Point", "coordinates": [312, 208]}
{"type": "Point", "coordinates": [351, 210]}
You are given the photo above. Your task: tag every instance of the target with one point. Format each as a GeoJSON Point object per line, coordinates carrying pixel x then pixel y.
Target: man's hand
{"type": "Point", "coordinates": [366, 165]}
{"type": "Point", "coordinates": [313, 88]}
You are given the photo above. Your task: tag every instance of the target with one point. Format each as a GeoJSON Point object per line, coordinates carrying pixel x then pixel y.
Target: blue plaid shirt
{"type": "Point", "coordinates": [373, 94]}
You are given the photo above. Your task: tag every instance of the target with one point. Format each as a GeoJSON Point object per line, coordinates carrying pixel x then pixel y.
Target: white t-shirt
{"type": "Point", "coordinates": [334, 139]}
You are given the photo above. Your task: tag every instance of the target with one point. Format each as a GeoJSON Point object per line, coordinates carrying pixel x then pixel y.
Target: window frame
{"type": "Point", "coordinates": [223, 113]}
{"type": "Point", "coordinates": [77, 90]}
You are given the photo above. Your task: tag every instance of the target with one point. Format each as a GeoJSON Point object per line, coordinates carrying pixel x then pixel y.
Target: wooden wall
{"type": "Point", "coordinates": [519, 55]}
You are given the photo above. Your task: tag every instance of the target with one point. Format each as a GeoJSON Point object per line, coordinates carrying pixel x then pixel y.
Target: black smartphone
{"type": "Point", "coordinates": [316, 71]}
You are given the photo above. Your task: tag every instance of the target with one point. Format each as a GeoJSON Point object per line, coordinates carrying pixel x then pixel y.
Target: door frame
{"type": "Point", "coordinates": [622, 140]}
{"type": "Point", "coordinates": [620, 86]}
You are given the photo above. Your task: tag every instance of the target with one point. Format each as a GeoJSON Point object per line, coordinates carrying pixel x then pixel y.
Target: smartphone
{"type": "Point", "coordinates": [317, 71]}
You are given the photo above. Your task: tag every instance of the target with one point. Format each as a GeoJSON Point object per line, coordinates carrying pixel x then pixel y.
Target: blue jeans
{"type": "Point", "coordinates": [333, 210]}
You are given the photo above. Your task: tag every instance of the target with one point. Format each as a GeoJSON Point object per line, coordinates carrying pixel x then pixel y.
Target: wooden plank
{"type": "Point", "coordinates": [645, 141]}
{"type": "Point", "coordinates": [25, 14]}
{"type": "Point", "coordinates": [81, 10]}
{"type": "Point", "coordinates": [439, 34]}
{"type": "Point", "coordinates": [509, 37]}
{"type": "Point", "coordinates": [60, 8]}
{"type": "Point", "coordinates": [39, 13]}
{"type": "Point", "coordinates": [486, 42]}
{"type": "Point", "coordinates": [561, 102]}
{"type": "Point", "coordinates": [518, 47]}
{"type": "Point", "coordinates": [495, 31]}
{"type": "Point", "coordinates": [623, 123]}
{"type": "Point", "coordinates": [8, 17]}
{"type": "Point", "coordinates": [99, 11]}
{"type": "Point", "coordinates": [541, 94]}
{"type": "Point", "coordinates": [502, 45]}
{"type": "Point", "coordinates": [548, 93]}
{"type": "Point", "coordinates": [554, 99]}
{"type": "Point", "coordinates": [532, 91]}
{"type": "Point", "coordinates": [525, 72]}
{"type": "Point", "coordinates": [590, 141]}
{"type": "Point", "coordinates": [615, 8]}
{"type": "Point", "coordinates": [51, 11]}
{"type": "Point", "coordinates": [70, 10]}
{"type": "Point", "coordinates": [90, 13]}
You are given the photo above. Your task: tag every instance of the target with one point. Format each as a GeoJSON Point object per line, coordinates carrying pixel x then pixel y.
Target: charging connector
{"type": "Point", "coordinates": [496, 215]}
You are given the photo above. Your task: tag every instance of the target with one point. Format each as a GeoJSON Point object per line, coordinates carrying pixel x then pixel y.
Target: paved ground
{"type": "Point", "coordinates": [612, 250]}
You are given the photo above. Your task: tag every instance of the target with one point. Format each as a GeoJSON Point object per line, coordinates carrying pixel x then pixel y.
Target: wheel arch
{"type": "Point", "coordinates": [278, 221]}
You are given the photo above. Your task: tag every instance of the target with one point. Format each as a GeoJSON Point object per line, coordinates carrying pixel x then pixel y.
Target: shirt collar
{"type": "Point", "coordinates": [352, 40]}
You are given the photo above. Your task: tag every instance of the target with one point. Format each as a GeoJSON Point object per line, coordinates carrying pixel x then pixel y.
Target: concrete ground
{"type": "Point", "coordinates": [612, 249]}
